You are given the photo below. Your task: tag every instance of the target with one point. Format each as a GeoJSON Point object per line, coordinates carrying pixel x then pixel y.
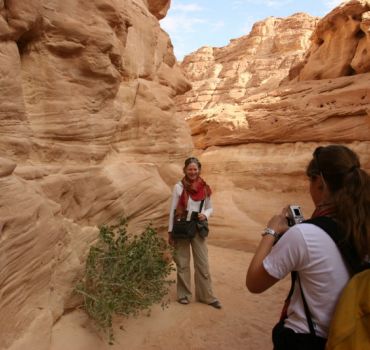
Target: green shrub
{"type": "Point", "coordinates": [124, 275]}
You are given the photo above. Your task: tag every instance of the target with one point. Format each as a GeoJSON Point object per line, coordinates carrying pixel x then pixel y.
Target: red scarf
{"type": "Point", "coordinates": [197, 190]}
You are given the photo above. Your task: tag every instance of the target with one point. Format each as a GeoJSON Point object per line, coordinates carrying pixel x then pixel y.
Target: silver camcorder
{"type": "Point", "coordinates": [295, 215]}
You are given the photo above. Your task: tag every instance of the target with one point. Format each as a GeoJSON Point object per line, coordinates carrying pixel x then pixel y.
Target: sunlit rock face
{"type": "Point", "coordinates": [159, 8]}
{"type": "Point", "coordinates": [255, 145]}
{"type": "Point", "coordinates": [340, 44]}
{"type": "Point", "coordinates": [251, 64]}
{"type": "Point", "coordinates": [330, 110]}
{"type": "Point", "coordinates": [85, 80]}
{"type": "Point", "coordinates": [88, 133]}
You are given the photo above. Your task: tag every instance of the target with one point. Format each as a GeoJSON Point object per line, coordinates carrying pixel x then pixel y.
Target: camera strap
{"type": "Point", "coordinates": [201, 206]}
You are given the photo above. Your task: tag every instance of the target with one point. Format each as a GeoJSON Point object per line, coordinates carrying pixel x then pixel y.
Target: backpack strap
{"type": "Point", "coordinates": [306, 309]}
{"type": "Point", "coordinates": [284, 313]}
{"type": "Point", "coordinates": [348, 253]}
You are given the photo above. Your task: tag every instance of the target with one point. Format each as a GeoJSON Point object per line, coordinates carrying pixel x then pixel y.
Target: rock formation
{"type": "Point", "coordinates": [87, 92]}
{"type": "Point", "coordinates": [89, 132]}
{"type": "Point", "coordinates": [255, 143]}
{"type": "Point", "coordinates": [340, 44]}
{"type": "Point", "coordinates": [251, 64]}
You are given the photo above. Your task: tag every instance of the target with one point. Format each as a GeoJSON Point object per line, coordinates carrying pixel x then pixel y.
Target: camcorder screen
{"type": "Point", "coordinates": [297, 212]}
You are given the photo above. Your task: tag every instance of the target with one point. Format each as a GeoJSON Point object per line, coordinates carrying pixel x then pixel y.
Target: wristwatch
{"type": "Point", "coordinates": [270, 231]}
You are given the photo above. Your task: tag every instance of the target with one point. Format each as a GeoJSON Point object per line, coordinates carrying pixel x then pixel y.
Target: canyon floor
{"type": "Point", "coordinates": [244, 322]}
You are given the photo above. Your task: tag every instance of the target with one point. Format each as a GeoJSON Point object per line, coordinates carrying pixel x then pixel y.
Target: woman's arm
{"type": "Point", "coordinates": [258, 279]}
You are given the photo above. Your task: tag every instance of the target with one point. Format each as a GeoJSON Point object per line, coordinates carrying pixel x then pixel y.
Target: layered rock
{"type": "Point", "coordinates": [255, 145]}
{"type": "Point", "coordinates": [340, 44]}
{"type": "Point", "coordinates": [102, 58]}
{"type": "Point", "coordinates": [89, 132]}
{"type": "Point", "coordinates": [251, 64]}
{"type": "Point", "coordinates": [40, 259]}
{"type": "Point", "coordinates": [335, 110]}
{"type": "Point", "coordinates": [87, 92]}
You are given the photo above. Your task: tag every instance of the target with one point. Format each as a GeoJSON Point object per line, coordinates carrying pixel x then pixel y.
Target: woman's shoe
{"type": "Point", "coordinates": [216, 304]}
{"type": "Point", "coordinates": [183, 301]}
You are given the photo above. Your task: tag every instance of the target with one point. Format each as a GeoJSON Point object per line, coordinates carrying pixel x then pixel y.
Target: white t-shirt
{"type": "Point", "coordinates": [192, 205]}
{"type": "Point", "coordinates": [309, 250]}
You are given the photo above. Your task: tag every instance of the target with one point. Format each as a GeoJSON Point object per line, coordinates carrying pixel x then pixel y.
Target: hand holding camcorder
{"type": "Point", "coordinates": [294, 215]}
{"type": "Point", "coordinates": [277, 225]}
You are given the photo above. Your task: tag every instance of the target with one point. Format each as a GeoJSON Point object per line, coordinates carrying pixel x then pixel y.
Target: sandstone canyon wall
{"type": "Point", "coordinates": [253, 63]}
{"type": "Point", "coordinates": [260, 106]}
{"type": "Point", "coordinates": [87, 92]}
{"type": "Point", "coordinates": [89, 132]}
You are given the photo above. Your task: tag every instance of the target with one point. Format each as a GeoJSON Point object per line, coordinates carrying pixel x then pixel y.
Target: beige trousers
{"type": "Point", "coordinates": [202, 276]}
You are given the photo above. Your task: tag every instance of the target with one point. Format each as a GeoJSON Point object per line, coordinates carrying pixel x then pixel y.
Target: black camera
{"type": "Point", "coordinates": [295, 215]}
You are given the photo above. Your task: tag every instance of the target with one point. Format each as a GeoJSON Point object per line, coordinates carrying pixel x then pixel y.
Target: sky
{"type": "Point", "coordinates": [192, 24]}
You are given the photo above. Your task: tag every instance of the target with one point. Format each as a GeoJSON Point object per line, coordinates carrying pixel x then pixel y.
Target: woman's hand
{"type": "Point", "coordinates": [279, 223]}
{"type": "Point", "coordinates": [202, 217]}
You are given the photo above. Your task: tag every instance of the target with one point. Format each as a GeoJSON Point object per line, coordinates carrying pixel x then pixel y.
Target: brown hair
{"type": "Point", "coordinates": [349, 186]}
{"type": "Point", "coordinates": [192, 160]}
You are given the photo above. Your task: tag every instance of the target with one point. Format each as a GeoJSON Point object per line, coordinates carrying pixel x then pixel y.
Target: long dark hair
{"type": "Point", "coordinates": [349, 186]}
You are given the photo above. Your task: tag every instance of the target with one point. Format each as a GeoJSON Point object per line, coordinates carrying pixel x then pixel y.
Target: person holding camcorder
{"type": "Point", "coordinates": [340, 190]}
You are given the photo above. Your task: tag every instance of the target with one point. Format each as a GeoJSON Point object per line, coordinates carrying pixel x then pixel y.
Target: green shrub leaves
{"type": "Point", "coordinates": [124, 275]}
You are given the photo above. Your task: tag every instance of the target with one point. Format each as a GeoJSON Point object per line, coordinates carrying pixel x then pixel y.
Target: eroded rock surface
{"type": "Point", "coordinates": [340, 44]}
{"type": "Point", "coordinates": [251, 64]}
{"type": "Point", "coordinates": [88, 134]}
{"type": "Point", "coordinates": [331, 110]}
{"type": "Point", "coordinates": [256, 143]}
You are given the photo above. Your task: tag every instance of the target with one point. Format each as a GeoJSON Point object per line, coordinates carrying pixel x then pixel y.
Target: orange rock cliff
{"type": "Point", "coordinates": [260, 105]}
{"type": "Point", "coordinates": [88, 133]}
{"type": "Point", "coordinates": [97, 117]}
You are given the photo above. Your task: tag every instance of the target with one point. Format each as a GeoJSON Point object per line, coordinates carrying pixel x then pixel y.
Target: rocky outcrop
{"type": "Point", "coordinates": [89, 132]}
{"type": "Point", "coordinates": [251, 64]}
{"type": "Point", "coordinates": [159, 8]}
{"type": "Point", "coordinates": [340, 44]}
{"type": "Point", "coordinates": [334, 110]}
{"type": "Point", "coordinates": [102, 58]}
{"type": "Point", "coordinates": [87, 92]}
{"type": "Point", "coordinates": [255, 145]}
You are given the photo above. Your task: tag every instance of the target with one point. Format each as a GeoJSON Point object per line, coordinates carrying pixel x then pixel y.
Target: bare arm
{"type": "Point", "coordinates": [258, 280]}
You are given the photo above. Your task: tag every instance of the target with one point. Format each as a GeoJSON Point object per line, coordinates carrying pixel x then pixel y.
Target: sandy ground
{"type": "Point", "coordinates": [245, 322]}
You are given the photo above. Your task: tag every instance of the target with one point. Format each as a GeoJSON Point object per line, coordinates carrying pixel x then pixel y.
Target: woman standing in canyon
{"type": "Point", "coordinates": [192, 196]}
{"type": "Point", "coordinates": [340, 190]}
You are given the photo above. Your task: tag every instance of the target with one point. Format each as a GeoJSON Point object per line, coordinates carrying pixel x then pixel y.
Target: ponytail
{"type": "Point", "coordinates": [349, 186]}
{"type": "Point", "coordinates": [352, 203]}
